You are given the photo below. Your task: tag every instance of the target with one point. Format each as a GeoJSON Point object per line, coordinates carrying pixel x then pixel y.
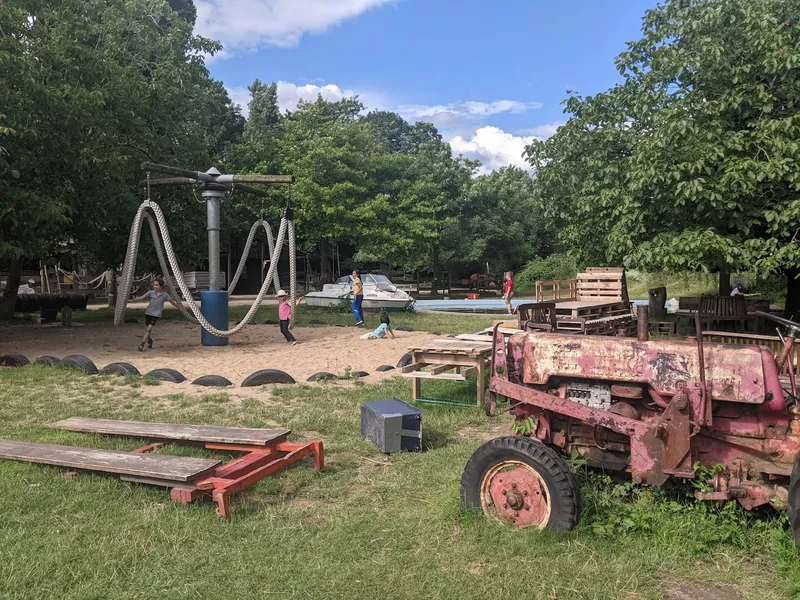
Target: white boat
{"type": "Point", "coordinates": [379, 293]}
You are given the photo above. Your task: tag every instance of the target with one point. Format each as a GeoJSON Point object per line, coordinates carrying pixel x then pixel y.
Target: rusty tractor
{"type": "Point", "coordinates": [653, 408]}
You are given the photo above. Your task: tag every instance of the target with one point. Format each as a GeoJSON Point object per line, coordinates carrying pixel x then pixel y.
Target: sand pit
{"type": "Point", "coordinates": [177, 346]}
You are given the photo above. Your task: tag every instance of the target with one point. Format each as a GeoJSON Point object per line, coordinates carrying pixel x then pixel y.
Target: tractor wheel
{"type": "Point", "coordinates": [794, 501]}
{"type": "Point", "coordinates": [520, 481]}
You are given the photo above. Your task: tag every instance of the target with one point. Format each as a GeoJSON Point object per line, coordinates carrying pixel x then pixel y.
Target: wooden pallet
{"type": "Point", "coordinates": [664, 327]}
{"type": "Point", "coordinates": [591, 308]}
{"type": "Point", "coordinates": [174, 432]}
{"type": "Point", "coordinates": [160, 467]}
{"type": "Point", "coordinates": [453, 346]}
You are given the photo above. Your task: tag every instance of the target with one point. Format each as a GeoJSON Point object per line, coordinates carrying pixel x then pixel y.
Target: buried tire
{"type": "Point", "coordinates": [212, 381]}
{"type": "Point", "coordinates": [265, 376]}
{"type": "Point", "coordinates": [14, 360]}
{"type": "Point", "coordinates": [78, 361]}
{"type": "Point", "coordinates": [50, 361]}
{"type": "Point", "coordinates": [405, 360]}
{"type": "Point", "coordinates": [519, 481]}
{"type": "Point", "coordinates": [119, 368]}
{"type": "Point", "coordinates": [168, 375]}
{"type": "Point", "coordinates": [321, 376]}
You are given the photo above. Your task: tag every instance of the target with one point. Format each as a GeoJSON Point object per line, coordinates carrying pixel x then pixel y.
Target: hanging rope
{"type": "Point", "coordinates": [245, 253]}
{"type": "Point", "coordinates": [288, 216]}
{"type": "Point", "coordinates": [177, 275]}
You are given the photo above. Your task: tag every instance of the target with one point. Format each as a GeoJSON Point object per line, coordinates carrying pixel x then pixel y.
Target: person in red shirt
{"type": "Point", "coordinates": [508, 291]}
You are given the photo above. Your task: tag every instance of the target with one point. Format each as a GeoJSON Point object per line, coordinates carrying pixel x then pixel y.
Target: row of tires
{"type": "Point", "coordinates": [28, 303]}
{"type": "Point", "coordinates": [259, 378]}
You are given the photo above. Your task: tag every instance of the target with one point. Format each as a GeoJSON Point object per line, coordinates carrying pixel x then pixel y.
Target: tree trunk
{"type": "Point", "coordinates": [792, 307]}
{"type": "Point", "coordinates": [9, 301]}
{"type": "Point", "coordinates": [658, 300]}
{"type": "Point", "coordinates": [324, 262]}
{"type": "Point", "coordinates": [435, 261]}
{"type": "Point", "coordinates": [724, 281]}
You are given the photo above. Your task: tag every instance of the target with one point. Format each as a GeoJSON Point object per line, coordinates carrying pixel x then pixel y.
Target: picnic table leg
{"type": "Point", "coordinates": [481, 380]}
{"type": "Point", "coordinates": [416, 384]}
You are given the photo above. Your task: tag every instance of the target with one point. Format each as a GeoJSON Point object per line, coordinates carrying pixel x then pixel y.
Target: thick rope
{"type": "Point", "coordinates": [246, 253]}
{"type": "Point", "coordinates": [130, 263]}
{"type": "Point", "coordinates": [292, 274]}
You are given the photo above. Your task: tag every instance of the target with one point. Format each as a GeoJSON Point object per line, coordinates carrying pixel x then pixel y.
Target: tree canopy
{"type": "Point", "coordinates": [693, 161]}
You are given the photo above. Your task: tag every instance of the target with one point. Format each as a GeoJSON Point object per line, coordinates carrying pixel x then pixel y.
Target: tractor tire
{"type": "Point", "coordinates": [794, 501]}
{"type": "Point", "coordinates": [405, 360]}
{"type": "Point", "coordinates": [265, 376]}
{"type": "Point", "coordinates": [78, 361]}
{"type": "Point", "coordinates": [359, 374]}
{"type": "Point", "coordinates": [321, 376]}
{"type": "Point", "coordinates": [119, 368]}
{"type": "Point", "coordinates": [14, 360]}
{"type": "Point", "coordinates": [50, 361]}
{"type": "Point", "coordinates": [520, 481]}
{"type": "Point", "coordinates": [212, 381]}
{"type": "Point", "coordinates": [383, 368]}
{"type": "Point", "coordinates": [168, 375]}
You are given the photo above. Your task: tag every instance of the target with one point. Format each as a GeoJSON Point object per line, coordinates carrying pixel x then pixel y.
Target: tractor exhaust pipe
{"type": "Point", "coordinates": [642, 323]}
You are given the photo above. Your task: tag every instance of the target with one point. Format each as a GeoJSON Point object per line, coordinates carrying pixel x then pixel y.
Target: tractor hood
{"type": "Point", "coordinates": [733, 373]}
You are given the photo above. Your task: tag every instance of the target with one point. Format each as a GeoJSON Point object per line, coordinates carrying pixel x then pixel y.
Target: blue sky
{"type": "Point", "coordinates": [489, 74]}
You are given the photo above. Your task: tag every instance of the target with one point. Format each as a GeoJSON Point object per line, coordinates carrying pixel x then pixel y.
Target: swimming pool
{"type": "Point", "coordinates": [479, 306]}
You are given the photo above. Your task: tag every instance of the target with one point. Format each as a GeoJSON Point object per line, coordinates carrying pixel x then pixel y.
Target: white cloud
{"type": "Point", "coordinates": [244, 25]}
{"type": "Point", "coordinates": [494, 147]}
{"type": "Point", "coordinates": [542, 131]}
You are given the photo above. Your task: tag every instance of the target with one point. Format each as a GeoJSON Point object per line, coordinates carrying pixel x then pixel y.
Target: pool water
{"type": "Point", "coordinates": [479, 306]}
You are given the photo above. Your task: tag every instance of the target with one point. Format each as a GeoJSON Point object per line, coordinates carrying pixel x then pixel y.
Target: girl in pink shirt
{"type": "Point", "coordinates": [285, 315]}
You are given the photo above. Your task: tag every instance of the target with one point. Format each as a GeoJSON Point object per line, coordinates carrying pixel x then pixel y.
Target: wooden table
{"type": "Point", "coordinates": [450, 359]}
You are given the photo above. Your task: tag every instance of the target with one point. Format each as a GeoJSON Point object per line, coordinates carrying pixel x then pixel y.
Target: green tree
{"type": "Point", "coordinates": [693, 162]}
{"type": "Point", "coordinates": [91, 89]}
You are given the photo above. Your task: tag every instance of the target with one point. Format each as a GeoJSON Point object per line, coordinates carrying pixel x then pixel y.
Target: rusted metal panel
{"type": "Point", "coordinates": [734, 374]}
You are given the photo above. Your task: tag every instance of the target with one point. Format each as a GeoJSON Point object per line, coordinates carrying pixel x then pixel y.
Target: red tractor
{"type": "Point", "coordinates": [650, 408]}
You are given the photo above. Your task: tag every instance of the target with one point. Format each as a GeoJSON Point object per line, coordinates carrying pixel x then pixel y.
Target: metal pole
{"type": "Point", "coordinates": [213, 199]}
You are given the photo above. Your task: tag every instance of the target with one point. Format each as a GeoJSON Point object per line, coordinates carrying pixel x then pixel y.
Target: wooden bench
{"type": "Point", "coordinates": [151, 466]}
{"type": "Point", "coordinates": [450, 359]}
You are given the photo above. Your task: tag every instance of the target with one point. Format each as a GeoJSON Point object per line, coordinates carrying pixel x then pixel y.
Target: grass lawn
{"type": "Point", "coordinates": [368, 526]}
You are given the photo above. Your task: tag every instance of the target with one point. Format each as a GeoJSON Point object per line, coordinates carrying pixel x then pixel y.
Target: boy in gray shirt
{"type": "Point", "coordinates": [157, 298]}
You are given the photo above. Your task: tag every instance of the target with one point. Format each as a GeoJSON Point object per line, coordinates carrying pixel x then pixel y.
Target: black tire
{"type": "Point", "coordinates": [405, 360]}
{"type": "Point", "coordinates": [50, 361]}
{"type": "Point", "coordinates": [321, 376]}
{"type": "Point", "coordinates": [212, 381]}
{"type": "Point", "coordinates": [435, 333]}
{"type": "Point", "coordinates": [270, 322]}
{"type": "Point", "coordinates": [78, 361]}
{"type": "Point", "coordinates": [316, 322]}
{"type": "Point", "coordinates": [14, 360]}
{"type": "Point", "coordinates": [794, 501]}
{"type": "Point", "coordinates": [119, 368]}
{"type": "Point", "coordinates": [555, 480]}
{"type": "Point", "coordinates": [383, 368]}
{"type": "Point", "coordinates": [404, 328]}
{"type": "Point", "coordinates": [168, 375]}
{"type": "Point", "coordinates": [265, 376]}
{"type": "Point", "coordinates": [359, 374]}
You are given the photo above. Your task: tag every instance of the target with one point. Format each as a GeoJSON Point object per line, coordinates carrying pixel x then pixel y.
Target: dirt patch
{"type": "Point", "coordinates": [684, 590]}
{"type": "Point", "coordinates": [498, 428]}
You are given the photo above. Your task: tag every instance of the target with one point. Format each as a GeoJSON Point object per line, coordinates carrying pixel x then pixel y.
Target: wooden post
{"type": "Point", "coordinates": [481, 379]}
{"type": "Point", "coordinates": [658, 300]}
{"type": "Point", "coordinates": [642, 324]}
{"type": "Point", "coordinates": [416, 384]}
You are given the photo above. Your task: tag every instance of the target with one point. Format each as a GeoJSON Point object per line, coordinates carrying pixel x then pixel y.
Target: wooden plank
{"type": "Point", "coordinates": [153, 466]}
{"type": "Point", "coordinates": [175, 432]}
{"type": "Point", "coordinates": [413, 367]}
{"type": "Point", "coordinates": [429, 375]}
{"type": "Point", "coordinates": [442, 368]}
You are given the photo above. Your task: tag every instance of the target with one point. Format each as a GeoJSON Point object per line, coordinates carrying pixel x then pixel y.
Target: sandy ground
{"type": "Point", "coordinates": [177, 346]}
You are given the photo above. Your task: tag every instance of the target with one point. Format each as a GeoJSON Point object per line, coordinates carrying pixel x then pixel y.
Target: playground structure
{"type": "Point", "coordinates": [212, 315]}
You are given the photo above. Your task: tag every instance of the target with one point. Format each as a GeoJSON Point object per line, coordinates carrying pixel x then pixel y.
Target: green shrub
{"type": "Point", "coordinates": [554, 267]}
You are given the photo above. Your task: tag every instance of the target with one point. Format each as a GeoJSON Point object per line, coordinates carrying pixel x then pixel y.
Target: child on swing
{"type": "Point", "coordinates": [285, 315]}
{"type": "Point", "coordinates": [155, 307]}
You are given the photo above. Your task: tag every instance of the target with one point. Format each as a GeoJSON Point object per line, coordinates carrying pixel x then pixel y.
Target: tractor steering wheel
{"type": "Point", "coordinates": [792, 326]}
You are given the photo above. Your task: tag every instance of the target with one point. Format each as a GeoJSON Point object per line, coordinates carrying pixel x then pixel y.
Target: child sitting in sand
{"type": "Point", "coordinates": [382, 331]}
